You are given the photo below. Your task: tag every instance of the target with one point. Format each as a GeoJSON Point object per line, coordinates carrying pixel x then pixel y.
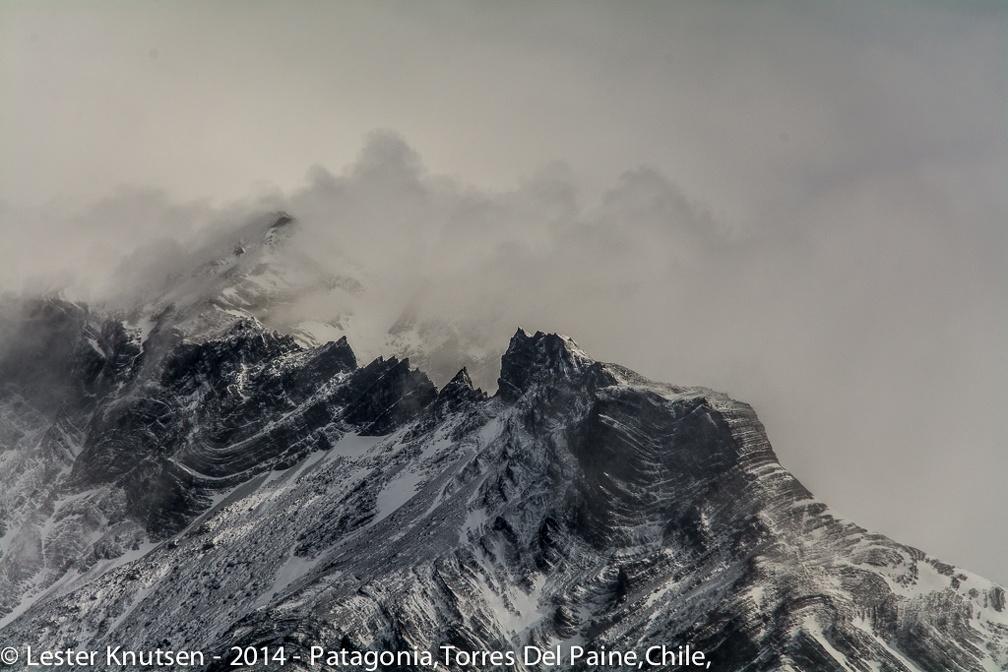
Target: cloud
{"type": "Point", "coordinates": [800, 204]}
{"type": "Point", "coordinates": [866, 337]}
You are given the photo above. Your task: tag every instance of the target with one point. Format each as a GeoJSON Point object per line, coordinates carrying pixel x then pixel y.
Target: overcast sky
{"type": "Point", "coordinates": [801, 204]}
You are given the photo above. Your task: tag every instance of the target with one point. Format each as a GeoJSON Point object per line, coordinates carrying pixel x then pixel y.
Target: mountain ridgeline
{"type": "Point", "coordinates": [183, 477]}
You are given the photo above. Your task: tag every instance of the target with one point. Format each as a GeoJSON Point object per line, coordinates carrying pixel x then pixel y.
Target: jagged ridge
{"type": "Point", "coordinates": [300, 499]}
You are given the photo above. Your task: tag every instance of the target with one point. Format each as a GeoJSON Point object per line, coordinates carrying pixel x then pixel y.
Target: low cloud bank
{"type": "Point", "coordinates": [867, 329]}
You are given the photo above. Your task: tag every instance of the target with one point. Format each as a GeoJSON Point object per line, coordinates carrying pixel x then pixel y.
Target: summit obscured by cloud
{"type": "Point", "coordinates": [801, 205]}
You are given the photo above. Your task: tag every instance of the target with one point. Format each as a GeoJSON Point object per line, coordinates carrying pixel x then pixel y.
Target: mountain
{"type": "Point", "coordinates": [192, 485]}
{"type": "Point", "coordinates": [272, 271]}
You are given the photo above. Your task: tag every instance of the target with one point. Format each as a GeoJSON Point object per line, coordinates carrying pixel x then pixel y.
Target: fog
{"type": "Point", "coordinates": [802, 206]}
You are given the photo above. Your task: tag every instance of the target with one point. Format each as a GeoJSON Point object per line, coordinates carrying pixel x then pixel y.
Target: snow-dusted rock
{"type": "Point", "coordinates": [237, 488]}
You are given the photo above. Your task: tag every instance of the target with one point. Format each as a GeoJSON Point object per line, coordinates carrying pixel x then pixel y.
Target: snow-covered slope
{"type": "Point", "coordinates": [204, 491]}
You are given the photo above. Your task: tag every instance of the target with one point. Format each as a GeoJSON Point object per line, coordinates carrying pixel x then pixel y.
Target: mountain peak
{"type": "Point", "coordinates": [533, 359]}
{"type": "Point", "coordinates": [279, 230]}
{"type": "Point", "coordinates": [459, 391]}
{"type": "Point", "coordinates": [270, 493]}
{"type": "Point", "coordinates": [461, 380]}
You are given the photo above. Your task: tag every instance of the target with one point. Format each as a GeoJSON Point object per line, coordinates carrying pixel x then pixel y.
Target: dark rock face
{"type": "Point", "coordinates": [143, 435]}
{"type": "Point", "coordinates": [385, 394]}
{"type": "Point", "coordinates": [460, 391]}
{"type": "Point", "coordinates": [210, 420]}
{"type": "Point", "coordinates": [55, 354]}
{"type": "Point", "coordinates": [246, 491]}
{"type": "Point", "coordinates": [542, 360]}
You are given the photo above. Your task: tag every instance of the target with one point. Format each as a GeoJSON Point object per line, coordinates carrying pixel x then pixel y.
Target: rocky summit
{"type": "Point", "coordinates": [194, 497]}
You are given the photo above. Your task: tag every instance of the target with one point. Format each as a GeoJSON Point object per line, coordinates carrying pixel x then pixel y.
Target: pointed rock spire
{"type": "Point", "coordinates": [540, 358]}
{"type": "Point", "coordinates": [459, 391]}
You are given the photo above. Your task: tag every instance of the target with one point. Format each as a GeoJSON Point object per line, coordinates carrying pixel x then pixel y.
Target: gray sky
{"type": "Point", "coordinates": [801, 204]}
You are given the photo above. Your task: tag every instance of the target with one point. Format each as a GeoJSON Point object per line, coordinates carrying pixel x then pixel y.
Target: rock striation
{"type": "Point", "coordinates": [241, 489]}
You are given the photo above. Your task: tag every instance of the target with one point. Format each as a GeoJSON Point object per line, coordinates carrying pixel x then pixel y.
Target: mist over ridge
{"type": "Point", "coordinates": [814, 326]}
